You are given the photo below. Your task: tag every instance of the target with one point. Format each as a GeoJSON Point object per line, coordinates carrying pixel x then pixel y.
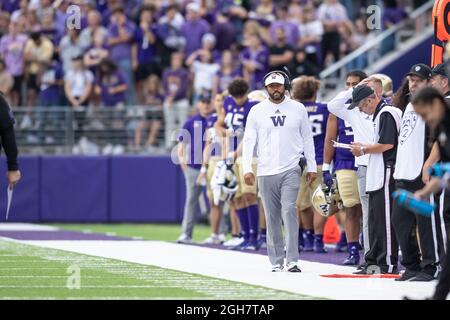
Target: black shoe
{"type": "Point", "coordinates": [362, 266]}
{"type": "Point", "coordinates": [362, 271]}
{"type": "Point", "coordinates": [386, 271]}
{"type": "Point", "coordinates": [407, 275]}
{"type": "Point", "coordinates": [423, 277]}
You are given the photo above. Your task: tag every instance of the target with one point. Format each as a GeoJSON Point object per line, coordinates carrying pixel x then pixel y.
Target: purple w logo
{"type": "Point", "coordinates": [278, 120]}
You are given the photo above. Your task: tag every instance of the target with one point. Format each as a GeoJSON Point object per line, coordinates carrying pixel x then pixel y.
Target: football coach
{"type": "Point", "coordinates": [280, 130]}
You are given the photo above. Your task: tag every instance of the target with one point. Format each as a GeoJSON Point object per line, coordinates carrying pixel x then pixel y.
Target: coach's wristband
{"type": "Point", "coordinates": [326, 167]}
{"type": "Point", "coordinates": [203, 169]}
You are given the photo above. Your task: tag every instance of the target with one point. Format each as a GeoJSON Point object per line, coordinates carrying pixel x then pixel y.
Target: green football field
{"type": "Point", "coordinates": [31, 272]}
{"type": "Point", "coordinates": [165, 232]}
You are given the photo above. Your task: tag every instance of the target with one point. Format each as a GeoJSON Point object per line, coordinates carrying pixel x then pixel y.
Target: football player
{"type": "Point", "coordinates": [305, 90]}
{"type": "Point", "coordinates": [232, 117]}
{"type": "Point", "coordinates": [212, 153]}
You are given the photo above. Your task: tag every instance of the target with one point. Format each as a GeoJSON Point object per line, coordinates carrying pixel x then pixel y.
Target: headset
{"type": "Point", "coordinates": [286, 75]}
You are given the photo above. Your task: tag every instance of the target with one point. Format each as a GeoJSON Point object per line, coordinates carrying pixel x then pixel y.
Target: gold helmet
{"type": "Point", "coordinates": [387, 84]}
{"type": "Point", "coordinates": [257, 95]}
{"type": "Point", "coordinates": [326, 200]}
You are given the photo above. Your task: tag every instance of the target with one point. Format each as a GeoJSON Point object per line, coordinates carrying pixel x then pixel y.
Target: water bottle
{"type": "Point", "coordinates": [439, 169]}
{"type": "Point", "coordinates": [406, 199]}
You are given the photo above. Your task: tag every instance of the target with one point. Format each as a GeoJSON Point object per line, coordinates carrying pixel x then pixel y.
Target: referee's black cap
{"type": "Point", "coordinates": [440, 69]}
{"type": "Point", "coordinates": [421, 70]}
{"type": "Point", "coordinates": [360, 93]}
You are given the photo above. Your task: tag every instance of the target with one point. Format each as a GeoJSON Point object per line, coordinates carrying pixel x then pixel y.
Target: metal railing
{"type": "Point", "coordinates": [86, 130]}
{"type": "Point", "coordinates": [415, 23]}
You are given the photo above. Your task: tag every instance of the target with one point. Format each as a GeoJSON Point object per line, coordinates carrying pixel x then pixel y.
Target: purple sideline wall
{"type": "Point", "coordinates": [26, 201]}
{"type": "Point", "coordinates": [95, 189]}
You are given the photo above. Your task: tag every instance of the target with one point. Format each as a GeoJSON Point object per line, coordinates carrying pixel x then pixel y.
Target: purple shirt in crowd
{"type": "Point", "coordinates": [226, 33]}
{"type": "Point", "coordinates": [108, 82]}
{"type": "Point", "coordinates": [193, 32]}
{"type": "Point", "coordinates": [121, 51]}
{"type": "Point", "coordinates": [176, 82]}
{"type": "Point", "coordinates": [12, 50]}
{"type": "Point", "coordinates": [318, 116]}
{"type": "Point", "coordinates": [9, 5]}
{"type": "Point", "coordinates": [343, 158]}
{"type": "Point", "coordinates": [290, 30]}
{"type": "Point", "coordinates": [393, 15]}
{"type": "Point", "coordinates": [146, 50]}
{"type": "Point", "coordinates": [50, 93]}
{"type": "Point", "coordinates": [225, 79]}
{"type": "Point", "coordinates": [261, 57]}
{"type": "Point", "coordinates": [196, 127]}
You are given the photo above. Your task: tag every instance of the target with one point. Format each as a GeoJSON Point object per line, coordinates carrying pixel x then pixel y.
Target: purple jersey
{"type": "Point", "coordinates": [343, 158]}
{"type": "Point", "coordinates": [236, 118]}
{"type": "Point", "coordinates": [318, 116]}
{"type": "Point", "coordinates": [192, 136]}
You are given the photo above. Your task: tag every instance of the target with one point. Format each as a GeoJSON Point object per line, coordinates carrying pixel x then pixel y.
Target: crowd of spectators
{"type": "Point", "coordinates": [125, 50]}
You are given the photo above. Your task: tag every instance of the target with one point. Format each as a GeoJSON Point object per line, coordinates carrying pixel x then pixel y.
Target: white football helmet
{"type": "Point", "coordinates": [223, 183]}
{"type": "Point", "coordinates": [257, 95]}
{"type": "Point", "coordinates": [387, 83]}
{"type": "Point", "coordinates": [230, 185]}
{"type": "Point", "coordinates": [326, 200]}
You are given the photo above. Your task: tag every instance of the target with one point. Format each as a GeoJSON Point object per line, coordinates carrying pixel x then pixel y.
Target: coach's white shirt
{"type": "Point", "coordinates": [360, 122]}
{"type": "Point", "coordinates": [281, 133]}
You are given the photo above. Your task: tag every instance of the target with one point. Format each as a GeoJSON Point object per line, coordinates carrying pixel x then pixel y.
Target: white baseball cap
{"type": "Point", "coordinates": [193, 6]}
{"type": "Point", "coordinates": [274, 78]}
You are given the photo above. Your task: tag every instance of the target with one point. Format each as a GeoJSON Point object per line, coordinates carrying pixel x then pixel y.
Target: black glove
{"type": "Point", "coordinates": [302, 163]}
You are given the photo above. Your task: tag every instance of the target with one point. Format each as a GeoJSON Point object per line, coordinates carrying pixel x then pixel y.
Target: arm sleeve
{"type": "Point", "coordinates": [249, 143]}
{"type": "Point", "coordinates": [388, 129]}
{"type": "Point", "coordinates": [337, 105]}
{"type": "Point", "coordinates": [7, 135]}
{"type": "Point", "coordinates": [308, 141]}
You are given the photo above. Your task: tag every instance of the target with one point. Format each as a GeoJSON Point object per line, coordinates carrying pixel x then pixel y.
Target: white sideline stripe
{"type": "Point", "coordinates": [246, 268]}
{"type": "Point", "coordinates": [25, 227]}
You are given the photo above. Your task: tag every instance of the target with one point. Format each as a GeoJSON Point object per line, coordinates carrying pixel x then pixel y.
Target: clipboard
{"type": "Point", "coordinates": [341, 145]}
{"type": "Point", "coordinates": [9, 191]}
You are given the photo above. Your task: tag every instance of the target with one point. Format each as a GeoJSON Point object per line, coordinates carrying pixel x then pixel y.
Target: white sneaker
{"type": "Point", "coordinates": [184, 238]}
{"type": "Point", "coordinates": [233, 242]}
{"type": "Point", "coordinates": [277, 268]}
{"type": "Point", "coordinates": [214, 239]}
{"type": "Point", "coordinates": [292, 267]}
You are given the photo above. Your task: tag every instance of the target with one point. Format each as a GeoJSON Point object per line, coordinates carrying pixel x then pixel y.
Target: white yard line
{"type": "Point", "coordinates": [25, 227]}
{"type": "Point", "coordinates": [247, 268]}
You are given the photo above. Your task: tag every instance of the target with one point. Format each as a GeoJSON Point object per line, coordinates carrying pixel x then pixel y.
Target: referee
{"type": "Point", "coordinates": [382, 256]}
{"type": "Point", "coordinates": [280, 129]}
{"type": "Point", "coordinates": [9, 141]}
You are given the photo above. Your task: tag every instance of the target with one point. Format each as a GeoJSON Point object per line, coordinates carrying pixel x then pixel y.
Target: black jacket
{"type": "Point", "coordinates": [8, 139]}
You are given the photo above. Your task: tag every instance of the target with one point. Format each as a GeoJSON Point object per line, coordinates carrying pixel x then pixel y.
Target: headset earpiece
{"type": "Point", "coordinates": [287, 81]}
